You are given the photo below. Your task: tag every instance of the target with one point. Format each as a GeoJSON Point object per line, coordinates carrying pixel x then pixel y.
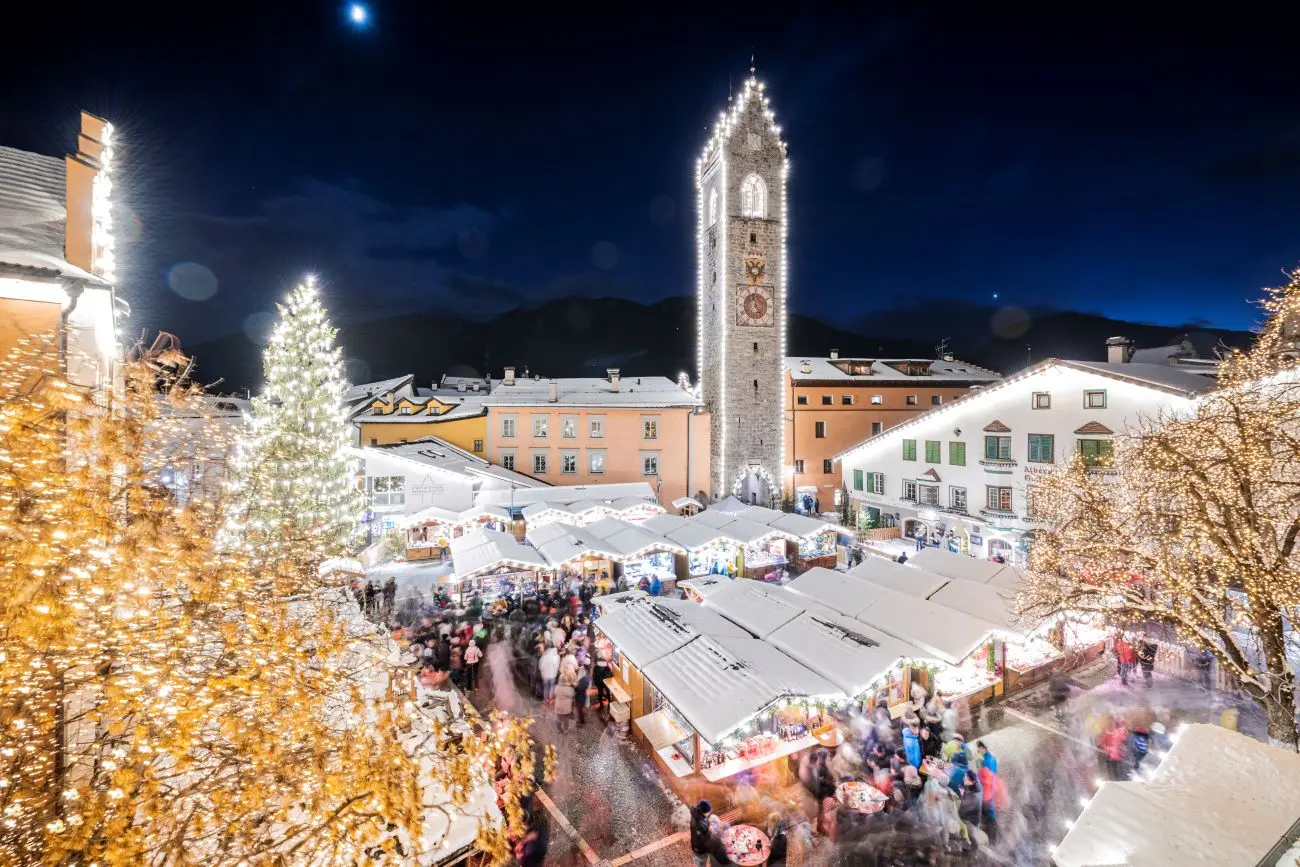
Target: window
{"type": "Point", "coordinates": [387, 490]}
{"type": "Point", "coordinates": [997, 448]}
{"type": "Point", "coordinates": [649, 465]}
{"type": "Point", "coordinates": [569, 426]}
{"type": "Point", "coordinates": [933, 451]}
{"type": "Point", "coordinates": [957, 499]}
{"type": "Point", "coordinates": [568, 462]}
{"type": "Point", "coordinates": [539, 464]}
{"type": "Point", "coordinates": [846, 399]}
{"type": "Point", "coordinates": [508, 426]}
{"type": "Point", "coordinates": [876, 427]}
{"type": "Point", "coordinates": [998, 499]}
{"type": "Point", "coordinates": [508, 460]}
{"type": "Point", "coordinates": [374, 441]}
{"type": "Point", "coordinates": [756, 346]}
{"type": "Point", "coordinates": [819, 430]}
{"type": "Point", "coordinates": [478, 447]}
{"type": "Point", "coordinates": [911, 400]}
{"type": "Point", "coordinates": [596, 462]}
{"type": "Point", "coordinates": [909, 490]}
{"type": "Point", "coordinates": [1042, 400]}
{"type": "Point", "coordinates": [753, 239]}
{"type": "Point", "coordinates": [876, 483]}
{"type": "Point", "coordinates": [798, 466]}
{"type": "Point", "coordinates": [1094, 400]}
{"type": "Point", "coordinates": [857, 480]}
{"type": "Point", "coordinates": [406, 410]}
{"type": "Point", "coordinates": [1096, 453]}
{"type": "Point", "coordinates": [827, 400]}
{"type": "Point", "coordinates": [877, 399]}
{"type": "Point", "coordinates": [753, 197]}
{"type": "Point", "coordinates": [649, 428]}
{"type": "Point", "coordinates": [927, 495]}
{"type": "Point", "coordinates": [801, 400]}
{"type": "Point", "coordinates": [909, 450]}
{"type": "Point", "coordinates": [1041, 448]}
{"type": "Point", "coordinates": [597, 428]}
{"type": "Point", "coordinates": [753, 140]}
{"type": "Point", "coordinates": [828, 466]}
{"type": "Point", "coordinates": [540, 423]}
{"type": "Point", "coordinates": [936, 399]}
{"type": "Point", "coordinates": [713, 206]}
{"type": "Point", "coordinates": [957, 454]}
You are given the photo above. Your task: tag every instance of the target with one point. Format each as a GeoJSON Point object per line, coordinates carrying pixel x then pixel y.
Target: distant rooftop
{"type": "Point", "coordinates": [441, 455]}
{"type": "Point", "coordinates": [806, 369]}
{"type": "Point", "coordinates": [34, 214]}
{"type": "Point", "coordinates": [613, 391]}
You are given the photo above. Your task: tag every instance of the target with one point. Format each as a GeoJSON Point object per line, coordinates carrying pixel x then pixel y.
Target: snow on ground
{"type": "Point", "coordinates": [417, 577]}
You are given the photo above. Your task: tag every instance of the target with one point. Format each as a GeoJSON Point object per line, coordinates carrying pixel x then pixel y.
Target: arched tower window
{"type": "Point", "coordinates": [713, 206]}
{"type": "Point", "coordinates": [753, 197]}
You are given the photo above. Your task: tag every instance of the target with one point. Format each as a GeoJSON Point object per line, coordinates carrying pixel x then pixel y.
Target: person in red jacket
{"type": "Point", "coordinates": [1124, 653]}
{"type": "Point", "coordinates": [1114, 744]}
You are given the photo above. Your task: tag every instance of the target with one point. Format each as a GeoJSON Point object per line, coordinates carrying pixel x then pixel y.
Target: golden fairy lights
{"type": "Point", "coordinates": [1196, 523]}
{"type": "Point", "coordinates": [162, 701]}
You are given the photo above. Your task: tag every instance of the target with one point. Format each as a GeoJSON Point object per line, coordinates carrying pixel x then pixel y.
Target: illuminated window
{"type": "Point", "coordinates": [753, 197]}
{"type": "Point", "coordinates": [387, 490]}
{"type": "Point", "coordinates": [713, 206]}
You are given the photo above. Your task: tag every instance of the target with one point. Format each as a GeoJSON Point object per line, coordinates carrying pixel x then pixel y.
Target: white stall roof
{"type": "Point", "coordinates": [477, 552]}
{"type": "Point", "coordinates": [730, 504]}
{"type": "Point", "coordinates": [957, 566]}
{"type": "Point", "coordinates": [664, 523]}
{"type": "Point", "coordinates": [983, 601]}
{"type": "Point", "coordinates": [569, 543]}
{"type": "Point", "coordinates": [758, 514]}
{"type": "Point", "coordinates": [446, 516]}
{"type": "Point", "coordinates": [839, 592]}
{"type": "Point", "coordinates": [904, 579]}
{"type": "Point", "coordinates": [800, 525]}
{"type": "Point", "coordinates": [613, 601]}
{"type": "Point", "coordinates": [751, 605]}
{"type": "Point", "coordinates": [846, 652]}
{"type": "Point", "coordinates": [712, 518]}
{"type": "Point", "coordinates": [693, 537]}
{"type": "Point", "coordinates": [1219, 799]}
{"type": "Point", "coordinates": [648, 629]}
{"type": "Point", "coordinates": [942, 633]}
{"type": "Point", "coordinates": [630, 540]}
{"type": "Point", "coordinates": [706, 586]}
{"type": "Point", "coordinates": [748, 532]}
{"type": "Point", "coordinates": [717, 684]}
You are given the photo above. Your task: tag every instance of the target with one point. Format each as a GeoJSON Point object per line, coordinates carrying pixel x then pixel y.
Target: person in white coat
{"type": "Point", "coordinates": [549, 669]}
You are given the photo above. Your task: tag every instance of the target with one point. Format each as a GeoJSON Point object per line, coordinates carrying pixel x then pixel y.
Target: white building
{"type": "Point", "coordinates": [962, 472]}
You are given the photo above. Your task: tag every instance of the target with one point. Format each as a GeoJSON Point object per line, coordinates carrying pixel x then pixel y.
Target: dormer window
{"type": "Point", "coordinates": [406, 410]}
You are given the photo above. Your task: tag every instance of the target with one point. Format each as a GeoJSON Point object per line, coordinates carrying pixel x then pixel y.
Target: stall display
{"type": "Point", "coordinates": [716, 558]}
{"type": "Point", "coordinates": [746, 845]}
{"type": "Point", "coordinates": [821, 545]}
{"type": "Point", "coordinates": [1030, 654]}
{"type": "Point", "coordinates": [661, 566]}
{"type": "Point", "coordinates": [936, 769]}
{"type": "Point", "coordinates": [765, 561]}
{"type": "Point", "coordinates": [964, 681]}
{"type": "Point", "coordinates": [861, 797]}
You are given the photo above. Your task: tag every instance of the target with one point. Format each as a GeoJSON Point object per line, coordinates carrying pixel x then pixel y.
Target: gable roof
{"type": "Point", "coordinates": [996, 426]}
{"type": "Point", "coordinates": [1094, 427]}
{"type": "Point", "coordinates": [883, 370]}
{"type": "Point", "coordinates": [1158, 377]}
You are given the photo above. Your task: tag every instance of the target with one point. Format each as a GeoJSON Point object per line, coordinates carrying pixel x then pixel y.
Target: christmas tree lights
{"type": "Point", "coordinates": [1194, 527]}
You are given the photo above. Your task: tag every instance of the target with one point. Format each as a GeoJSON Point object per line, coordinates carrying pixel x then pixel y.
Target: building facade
{"type": "Point", "coordinates": [742, 289]}
{"type": "Point", "coordinates": [57, 267]}
{"type": "Point", "coordinates": [395, 411]}
{"type": "Point", "coordinates": [834, 403]}
{"type": "Point", "coordinates": [599, 431]}
{"type": "Point", "coordinates": [962, 474]}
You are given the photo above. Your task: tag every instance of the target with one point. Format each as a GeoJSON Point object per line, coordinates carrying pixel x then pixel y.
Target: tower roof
{"type": "Point", "coordinates": [728, 120]}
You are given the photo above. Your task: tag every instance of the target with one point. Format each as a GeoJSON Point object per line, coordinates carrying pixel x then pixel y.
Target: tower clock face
{"type": "Point", "coordinates": [754, 306]}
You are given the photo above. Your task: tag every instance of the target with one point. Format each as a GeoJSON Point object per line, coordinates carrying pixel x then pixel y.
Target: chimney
{"type": "Point", "coordinates": [612, 373]}
{"type": "Point", "coordinates": [1118, 350]}
{"type": "Point", "coordinates": [554, 394]}
{"type": "Point", "coordinates": [509, 378]}
{"type": "Point", "coordinates": [460, 386]}
{"type": "Point", "coordinates": [805, 366]}
{"type": "Point", "coordinates": [835, 353]}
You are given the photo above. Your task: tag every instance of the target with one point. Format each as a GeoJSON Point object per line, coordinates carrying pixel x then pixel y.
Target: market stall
{"type": "Point", "coordinates": [612, 602]}
{"type": "Point", "coordinates": [699, 589]}
{"type": "Point", "coordinates": [642, 553]}
{"type": "Point", "coordinates": [814, 543]}
{"type": "Point", "coordinates": [575, 553]}
{"type": "Point", "coordinates": [428, 533]}
{"type": "Point", "coordinates": [760, 608]}
{"type": "Point", "coordinates": [495, 565]}
{"type": "Point", "coordinates": [708, 550]}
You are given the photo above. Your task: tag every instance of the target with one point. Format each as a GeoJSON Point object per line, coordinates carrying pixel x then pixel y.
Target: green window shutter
{"type": "Point", "coordinates": [1040, 448]}
{"type": "Point", "coordinates": [857, 480]}
{"type": "Point", "coordinates": [932, 451]}
{"type": "Point", "coordinates": [909, 450]}
{"type": "Point", "coordinates": [957, 454]}
{"type": "Point", "coordinates": [991, 448]}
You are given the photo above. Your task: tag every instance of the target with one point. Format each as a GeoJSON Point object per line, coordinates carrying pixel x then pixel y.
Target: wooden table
{"type": "Point", "coordinates": [861, 797]}
{"type": "Point", "coordinates": [746, 845]}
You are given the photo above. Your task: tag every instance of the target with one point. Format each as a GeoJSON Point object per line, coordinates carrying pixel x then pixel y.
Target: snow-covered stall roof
{"type": "Point", "coordinates": [563, 543]}
{"type": "Point", "coordinates": [614, 601]}
{"type": "Point", "coordinates": [683, 502]}
{"type": "Point", "coordinates": [664, 523]}
{"type": "Point", "coordinates": [904, 579]}
{"type": "Point", "coordinates": [712, 517]}
{"type": "Point", "coordinates": [482, 550]}
{"type": "Point", "coordinates": [801, 525]}
{"type": "Point", "coordinates": [848, 653]}
{"type": "Point", "coordinates": [1219, 799]}
{"type": "Point", "coordinates": [942, 633]}
{"type": "Point", "coordinates": [754, 606]}
{"type": "Point", "coordinates": [693, 537]}
{"type": "Point", "coordinates": [632, 540]}
{"type": "Point", "coordinates": [719, 683]}
{"type": "Point", "coordinates": [649, 629]}
{"type": "Point", "coordinates": [731, 504]}
{"type": "Point", "coordinates": [342, 564]}
{"type": "Point", "coordinates": [446, 516]}
{"type": "Point", "coordinates": [758, 514]}
{"type": "Point", "coordinates": [750, 532]}
{"type": "Point", "coordinates": [706, 586]}
{"type": "Point", "coordinates": [957, 566]}
{"type": "Point", "coordinates": [839, 592]}
{"type": "Point", "coordinates": [983, 601]}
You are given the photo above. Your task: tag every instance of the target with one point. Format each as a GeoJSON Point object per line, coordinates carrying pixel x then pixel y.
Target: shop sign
{"type": "Point", "coordinates": [1031, 470]}
{"type": "Point", "coordinates": [975, 539]}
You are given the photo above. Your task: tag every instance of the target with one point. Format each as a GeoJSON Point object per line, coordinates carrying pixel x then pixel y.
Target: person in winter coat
{"type": "Point", "coordinates": [1141, 745]}
{"type": "Point", "coordinates": [701, 833]}
{"type": "Point", "coordinates": [775, 830]}
{"type": "Point", "coordinates": [656, 586]}
{"type": "Point", "coordinates": [1114, 742]}
{"type": "Point", "coordinates": [986, 758]}
{"type": "Point", "coordinates": [581, 688]}
{"type": "Point", "coordinates": [954, 747]}
{"type": "Point", "coordinates": [912, 744]}
{"type": "Point", "coordinates": [1125, 657]}
{"type": "Point", "coordinates": [961, 772]}
{"type": "Point", "coordinates": [930, 745]}
{"type": "Point", "coordinates": [995, 792]}
{"type": "Point", "coordinates": [473, 655]}
{"type": "Point", "coordinates": [564, 696]}
{"type": "Point", "coordinates": [548, 668]}
{"type": "Point", "coordinates": [1146, 657]}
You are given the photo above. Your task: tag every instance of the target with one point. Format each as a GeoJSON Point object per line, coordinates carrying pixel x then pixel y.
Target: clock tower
{"type": "Point", "coordinates": [740, 184]}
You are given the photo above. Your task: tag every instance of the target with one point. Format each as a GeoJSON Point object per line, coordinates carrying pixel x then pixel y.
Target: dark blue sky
{"type": "Point", "coordinates": [475, 159]}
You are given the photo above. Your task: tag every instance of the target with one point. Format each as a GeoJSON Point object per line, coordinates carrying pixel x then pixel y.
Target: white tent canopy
{"type": "Point", "coordinates": [664, 523]}
{"type": "Point", "coordinates": [848, 653]}
{"type": "Point", "coordinates": [963, 568]}
{"type": "Point", "coordinates": [801, 525]}
{"type": "Point", "coordinates": [839, 592]}
{"type": "Point", "coordinates": [904, 579]}
{"type": "Point", "coordinates": [437, 514]}
{"type": "Point", "coordinates": [483, 550]}
{"type": "Point", "coordinates": [707, 586]}
{"type": "Point", "coordinates": [649, 629]}
{"type": "Point", "coordinates": [1219, 799]}
{"type": "Point", "coordinates": [755, 606]}
{"type": "Point", "coordinates": [694, 536]}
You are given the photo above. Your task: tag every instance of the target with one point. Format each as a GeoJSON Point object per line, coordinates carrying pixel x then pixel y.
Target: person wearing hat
{"type": "Point", "coordinates": [954, 747]}
{"type": "Point", "coordinates": [701, 833]}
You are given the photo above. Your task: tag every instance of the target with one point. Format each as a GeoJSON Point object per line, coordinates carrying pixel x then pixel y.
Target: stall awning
{"type": "Point", "coordinates": [683, 502]}
{"type": "Point", "coordinates": [801, 525]}
{"type": "Point", "coordinates": [755, 606]}
{"type": "Point", "coordinates": [649, 629]}
{"type": "Point", "coordinates": [660, 730]}
{"type": "Point", "coordinates": [706, 586]}
{"type": "Point", "coordinates": [904, 579]}
{"type": "Point", "coordinates": [478, 552]}
{"type": "Point", "coordinates": [694, 536]}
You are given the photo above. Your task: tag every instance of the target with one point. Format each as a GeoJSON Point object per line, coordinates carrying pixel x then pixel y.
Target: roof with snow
{"type": "Point", "coordinates": [654, 392]}
{"type": "Point", "coordinates": [706, 586]}
{"type": "Point", "coordinates": [439, 515]}
{"type": "Point", "coordinates": [1218, 799]}
{"type": "Point", "coordinates": [34, 214]}
{"type": "Point", "coordinates": [847, 652]}
{"type": "Point", "coordinates": [483, 550]}
{"type": "Point", "coordinates": [889, 370]}
{"type": "Point", "coordinates": [966, 568]}
{"type": "Point", "coordinates": [651, 628]}
{"type": "Point", "coordinates": [760, 608]}
{"type": "Point", "coordinates": [370, 390]}
{"type": "Point", "coordinates": [441, 456]}
{"type": "Point", "coordinates": [565, 494]}
{"type": "Point", "coordinates": [609, 537]}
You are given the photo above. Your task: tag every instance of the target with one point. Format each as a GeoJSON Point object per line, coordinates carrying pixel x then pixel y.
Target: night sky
{"type": "Point", "coordinates": [472, 158]}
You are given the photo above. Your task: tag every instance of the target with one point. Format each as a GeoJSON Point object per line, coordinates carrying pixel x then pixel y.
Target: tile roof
{"type": "Point", "coordinates": [33, 213]}
{"type": "Point", "coordinates": [1094, 427]}
{"type": "Point", "coordinates": [996, 426]}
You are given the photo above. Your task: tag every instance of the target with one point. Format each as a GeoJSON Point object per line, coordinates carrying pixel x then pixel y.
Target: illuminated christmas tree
{"type": "Point", "coordinates": [1195, 525]}
{"type": "Point", "coordinates": [293, 490]}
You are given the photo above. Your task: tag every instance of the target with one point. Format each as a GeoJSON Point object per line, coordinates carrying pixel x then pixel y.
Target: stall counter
{"type": "Point", "coordinates": [735, 766]}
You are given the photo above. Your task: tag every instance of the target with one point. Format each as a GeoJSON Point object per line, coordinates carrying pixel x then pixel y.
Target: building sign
{"type": "Point", "coordinates": [427, 487]}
